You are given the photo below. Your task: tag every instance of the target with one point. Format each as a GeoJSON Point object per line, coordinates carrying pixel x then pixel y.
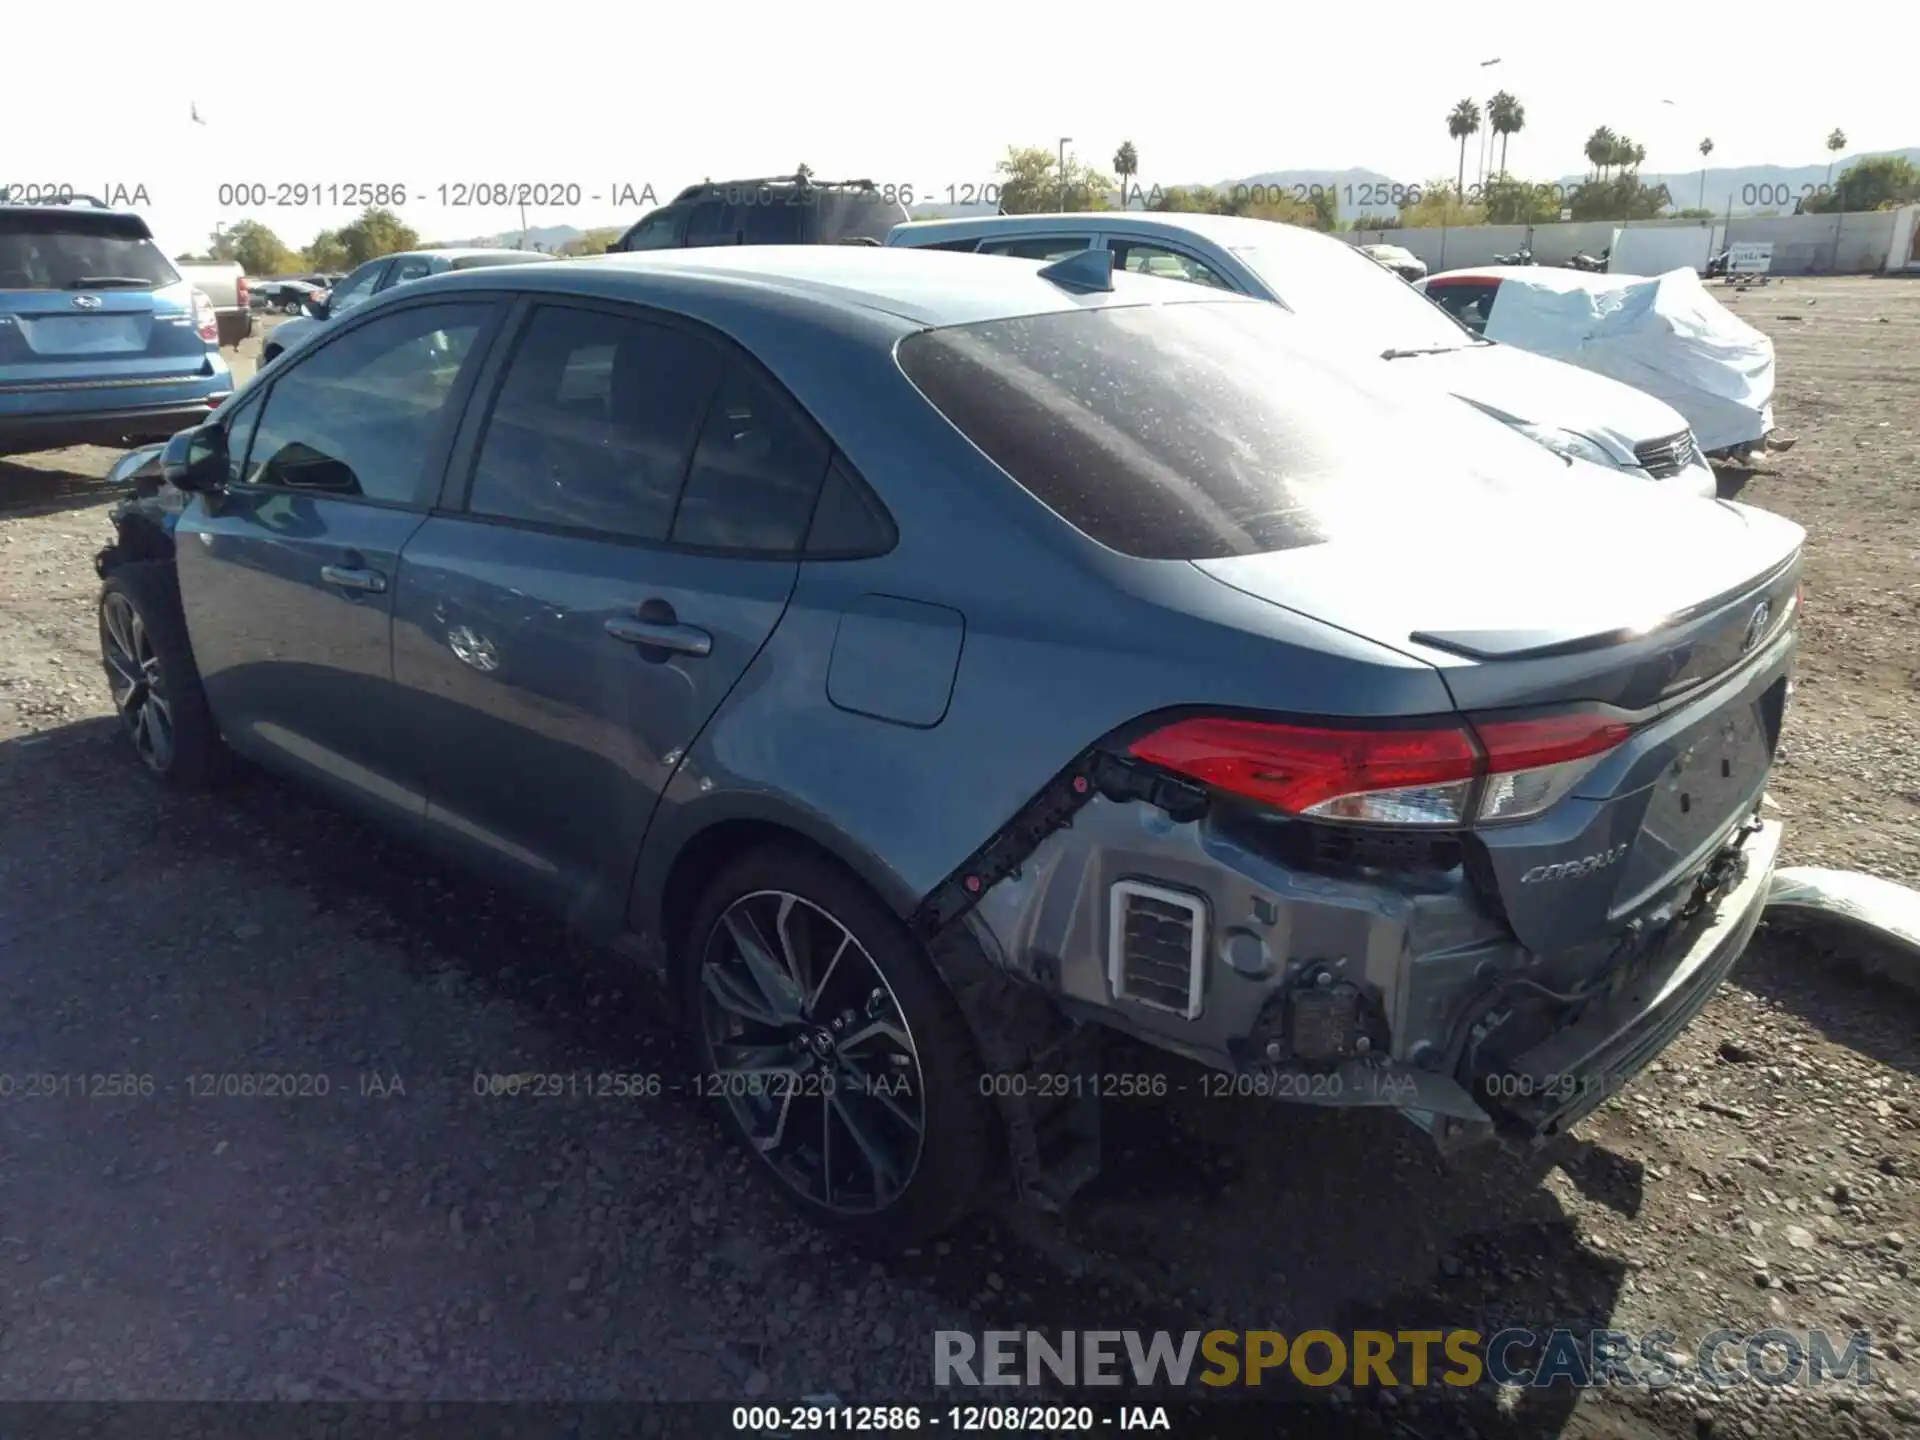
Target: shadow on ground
{"type": "Point", "coordinates": [1812, 973]}
{"type": "Point", "coordinates": [31, 489]}
{"type": "Point", "coordinates": [1211, 1214]}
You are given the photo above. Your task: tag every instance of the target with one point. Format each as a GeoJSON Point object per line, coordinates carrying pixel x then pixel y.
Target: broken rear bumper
{"type": "Point", "coordinates": [1573, 1071]}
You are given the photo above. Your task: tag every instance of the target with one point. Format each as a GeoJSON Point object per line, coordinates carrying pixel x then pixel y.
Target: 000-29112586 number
{"type": "Point", "coordinates": [70, 1085]}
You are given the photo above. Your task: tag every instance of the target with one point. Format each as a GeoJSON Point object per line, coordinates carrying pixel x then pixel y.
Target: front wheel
{"type": "Point", "coordinates": [152, 677]}
{"type": "Point", "coordinates": [832, 1049]}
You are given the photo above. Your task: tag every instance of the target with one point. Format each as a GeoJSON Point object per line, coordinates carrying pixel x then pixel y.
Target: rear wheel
{"type": "Point", "coordinates": [831, 1048]}
{"type": "Point", "coordinates": [152, 678]}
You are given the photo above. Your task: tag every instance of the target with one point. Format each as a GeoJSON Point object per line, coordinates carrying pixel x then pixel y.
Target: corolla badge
{"type": "Point", "coordinates": [1570, 869]}
{"type": "Point", "coordinates": [86, 302]}
{"type": "Point", "coordinates": [1756, 626]}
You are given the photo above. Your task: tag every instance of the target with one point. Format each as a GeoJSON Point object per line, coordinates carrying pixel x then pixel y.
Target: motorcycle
{"type": "Point", "coordinates": [1522, 256]}
{"type": "Point", "coordinates": [1592, 264]}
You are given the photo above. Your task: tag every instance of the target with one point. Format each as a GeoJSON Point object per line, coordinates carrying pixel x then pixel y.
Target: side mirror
{"type": "Point", "coordinates": [196, 460]}
{"type": "Point", "coordinates": [318, 307]}
{"type": "Point", "coordinates": [136, 465]}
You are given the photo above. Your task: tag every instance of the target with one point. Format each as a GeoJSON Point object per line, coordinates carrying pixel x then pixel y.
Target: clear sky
{"type": "Point", "coordinates": [599, 95]}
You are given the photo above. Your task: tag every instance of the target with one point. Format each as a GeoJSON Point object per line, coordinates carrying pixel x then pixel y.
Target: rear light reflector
{"type": "Point", "coordinates": [205, 318]}
{"type": "Point", "coordinates": [1446, 775]}
{"type": "Point", "coordinates": [242, 292]}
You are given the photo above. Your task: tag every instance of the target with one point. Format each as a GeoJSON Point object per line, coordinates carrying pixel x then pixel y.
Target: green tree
{"type": "Point", "coordinates": [1600, 148]}
{"type": "Point", "coordinates": [1126, 164]}
{"type": "Point", "coordinates": [803, 170]}
{"type": "Point", "coordinates": [1836, 142]}
{"type": "Point", "coordinates": [1706, 149]}
{"type": "Point", "coordinates": [1624, 197]}
{"type": "Point", "coordinates": [1462, 121]}
{"type": "Point", "coordinates": [1031, 183]}
{"type": "Point", "coordinates": [1189, 200]}
{"type": "Point", "coordinates": [1519, 202]}
{"type": "Point", "coordinates": [1441, 204]}
{"type": "Point", "coordinates": [1878, 183]}
{"type": "Point", "coordinates": [594, 242]}
{"type": "Point", "coordinates": [259, 250]}
{"type": "Point", "coordinates": [326, 252]}
{"type": "Point", "coordinates": [1508, 118]}
{"type": "Point", "coordinates": [377, 232]}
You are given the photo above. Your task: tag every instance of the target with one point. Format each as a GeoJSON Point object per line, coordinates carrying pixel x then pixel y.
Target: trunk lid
{"type": "Point", "coordinates": [1676, 613]}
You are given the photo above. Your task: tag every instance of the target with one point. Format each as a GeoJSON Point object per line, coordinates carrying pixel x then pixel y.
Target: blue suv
{"type": "Point", "coordinates": [101, 341]}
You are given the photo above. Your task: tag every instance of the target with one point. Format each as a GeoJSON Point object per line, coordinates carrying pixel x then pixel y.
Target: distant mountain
{"type": "Point", "coordinates": [1748, 188]}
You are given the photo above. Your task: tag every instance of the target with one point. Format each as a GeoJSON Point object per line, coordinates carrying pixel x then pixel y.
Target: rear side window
{"type": "Point", "coordinates": [773, 217]}
{"type": "Point", "coordinates": [595, 424]}
{"type": "Point", "coordinates": [1195, 431]}
{"type": "Point", "coordinates": [756, 472]}
{"type": "Point", "coordinates": [80, 251]}
{"type": "Point", "coordinates": [1038, 247]}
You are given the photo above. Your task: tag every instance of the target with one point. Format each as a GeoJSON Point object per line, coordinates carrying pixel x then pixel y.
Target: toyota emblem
{"type": "Point", "coordinates": [87, 302]}
{"type": "Point", "coordinates": [1756, 626]}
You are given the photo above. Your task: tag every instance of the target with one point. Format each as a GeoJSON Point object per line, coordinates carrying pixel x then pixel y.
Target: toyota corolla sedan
{"type": "Point", "coordinates": [937, 666]}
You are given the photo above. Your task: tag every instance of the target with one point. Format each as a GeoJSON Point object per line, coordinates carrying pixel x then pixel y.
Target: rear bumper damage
{"type": "Point", "coordinates": [1121, 899]}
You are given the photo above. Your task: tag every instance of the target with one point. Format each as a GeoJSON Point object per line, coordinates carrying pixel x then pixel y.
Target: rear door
{"type": "Point", "coordinates": [619, 540]}
{"type": "Point", "coordinates": [92, 316]}
{"type": "Point", "coordinates": [288, 578]}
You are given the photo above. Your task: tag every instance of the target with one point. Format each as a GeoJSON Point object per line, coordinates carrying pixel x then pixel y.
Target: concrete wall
{"type": "Point", "coordinates": [1802, 244]}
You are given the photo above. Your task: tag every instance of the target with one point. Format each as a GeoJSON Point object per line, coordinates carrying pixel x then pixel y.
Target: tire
{"type": "Point", "coordinates": [857, 1093]}
{"type": "Point", "coordinates": [290, 307]}
{"type": "Point", "coordinates": [151, 675]}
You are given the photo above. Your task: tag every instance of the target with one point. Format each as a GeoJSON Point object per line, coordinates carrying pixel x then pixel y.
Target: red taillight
{"type": "Point", "coordinates": [242, 293]}
{"type": "Point", "coordinates": [205, 317]}
{"type": "Point", "coordinates": [1452, 774]}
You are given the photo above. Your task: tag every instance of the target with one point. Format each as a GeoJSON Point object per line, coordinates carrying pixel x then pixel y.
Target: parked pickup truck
{"type": "Point", "coordinates": [226, 283]}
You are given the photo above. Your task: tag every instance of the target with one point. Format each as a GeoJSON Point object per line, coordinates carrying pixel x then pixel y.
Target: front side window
{"type": "Point", "coordinates": [414, 267]}
{"type": "Point", "coordinates": [1201, 430]}
{"type": "Point", "coordinates": [360, 416]}
{"type": "Point", "coordinates": [357, 288]}
{"type": "Point", "coordinates": [595, 424]}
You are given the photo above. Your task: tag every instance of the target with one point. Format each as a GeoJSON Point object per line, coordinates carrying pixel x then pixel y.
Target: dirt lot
{"type": "Point", "coordinates": [401, 1237]}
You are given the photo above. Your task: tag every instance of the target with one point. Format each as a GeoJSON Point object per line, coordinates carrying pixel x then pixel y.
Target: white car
{"type": "Point", "coordinates": [1579, 415]}
{"type": "Point", "coordinates": [1663, 334]}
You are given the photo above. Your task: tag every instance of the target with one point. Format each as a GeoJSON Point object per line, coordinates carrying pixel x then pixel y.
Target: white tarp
{"type": "Point", "coordinates": [1665, 335]}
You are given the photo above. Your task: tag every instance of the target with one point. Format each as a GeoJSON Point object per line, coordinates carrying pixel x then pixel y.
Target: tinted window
{"type": "Point", "coordinates": [1469, 302]}
{"type": "Point", "coordinates": [240, 434]}
{"type": "Point", "coordinates": [866, 213]}
{"type": "Point", "coordinates": [414, 267]}
{"type": "Point", "coordinates": [659, 231]}
{"type": "Point", "coordinates": [1038, 247]}
{"type": "Point", "coordinates": [72, 252]}
{"type": "Point", "coordinates": [1157, 260]}
{"type": "Point", "coordinates": [1201, 430]}
{"type": "Point", "coordinates": [775, 217]}
{"type": "Point", "coordinates": [595, 424]}
{"type": "Point", "coordinates": [968, 245]}
{"type": "Point", "coordinates": [362, 415]}
{"type": "Point", "coordinates": [707, 224]}
{"type": "Point", "coordinates": [756, 472]}
{"type": "Point", "coordinates": [356, 288]}
{"type": "Point", "coordinates": [848, 520]}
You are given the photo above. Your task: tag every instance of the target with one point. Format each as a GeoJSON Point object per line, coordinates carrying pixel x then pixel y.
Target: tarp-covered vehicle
{"type": "Point", "coordinates": [1662, 334]}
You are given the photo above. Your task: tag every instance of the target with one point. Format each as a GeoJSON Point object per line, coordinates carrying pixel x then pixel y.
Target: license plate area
{"type": "Point", "coordinates": [86, 334]}
{"type": "Point", "coordinates": [1716, 772]}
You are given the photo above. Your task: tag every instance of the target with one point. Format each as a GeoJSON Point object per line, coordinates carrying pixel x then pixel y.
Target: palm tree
{"type": "Point", "coordinates": [1706, 149]}
{"type": "Point", "coordinates": [1599, 150]}
{"type": "Point", "coordinates": [1509, 117]}
{"type": "Point", "coordinates": [1836, 142]}
{"type": "Point", "coordinates": [1126, 164]}
{"type": "Point", "coordinates": [1463, 120]}
{"type": "Point", "coordinates": [805, 171]}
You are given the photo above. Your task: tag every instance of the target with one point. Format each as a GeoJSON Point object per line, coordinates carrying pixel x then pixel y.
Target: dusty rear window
{"type": "Point", "coordinates": [1196, 431]}
{"type": "Point", "coordinates": [79, 252]}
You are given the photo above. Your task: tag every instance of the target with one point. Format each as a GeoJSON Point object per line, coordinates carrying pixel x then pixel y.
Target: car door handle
{"type": "Point", "coordinates": [350, 577]}
{"type": "Point", "coordinates": [659, 635]}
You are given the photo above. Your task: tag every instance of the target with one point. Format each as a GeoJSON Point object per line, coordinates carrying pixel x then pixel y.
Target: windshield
{"type": "Point", "coordinates": [1331, 282]}
{"type": "Point", "coordinates": [1201, 430]}
{"type": "Point", "coordinates": [72, 252]}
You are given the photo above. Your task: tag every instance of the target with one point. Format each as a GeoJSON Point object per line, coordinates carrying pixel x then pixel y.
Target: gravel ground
{"type": "Point", "coordinates": [401, 1237]}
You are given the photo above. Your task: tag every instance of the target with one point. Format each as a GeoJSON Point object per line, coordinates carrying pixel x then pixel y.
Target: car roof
{"type": "Point", "coordinates": [10, 207]}
{"type": "Point", "coordinates": [1227, 230]}
{"type": "Point", "coordinates": [927, 288]}
{"type": "Point", "coordinates": [466, 252]}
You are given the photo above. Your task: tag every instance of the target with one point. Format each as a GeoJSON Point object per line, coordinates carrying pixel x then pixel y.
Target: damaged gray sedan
{"type": "Point", "coordinates": [933, 666]}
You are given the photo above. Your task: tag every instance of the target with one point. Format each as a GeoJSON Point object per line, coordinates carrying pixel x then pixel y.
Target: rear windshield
{"type": "Point", "coordinates": [1197, 431]}
{"type": "Point", "coordinates": [79, 252]}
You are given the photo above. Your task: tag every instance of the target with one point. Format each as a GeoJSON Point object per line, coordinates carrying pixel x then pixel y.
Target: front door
{"type": "Point", "coordinates": [628, 538]}
{"type": "Point", "coordinates": [288, 577]}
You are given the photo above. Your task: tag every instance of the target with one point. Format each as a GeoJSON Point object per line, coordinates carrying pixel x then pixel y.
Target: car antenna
{"type": "Point", "coordinates": [1082, 270]}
